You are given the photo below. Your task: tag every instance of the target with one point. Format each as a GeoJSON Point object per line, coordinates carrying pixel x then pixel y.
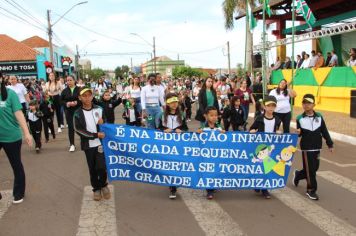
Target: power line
{"type": "Point", "coordinates": [98, 33]}
{"type": "Point", "coordinates": [116, 54]}
{"type": "Point", "coordinates": [24, 12]}
{"type": "Point", "coordinates": [22, 19]}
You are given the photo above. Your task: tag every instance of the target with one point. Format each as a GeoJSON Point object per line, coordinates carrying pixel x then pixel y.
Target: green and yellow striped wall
{"type": "Point", "coordinates": [330, 85]}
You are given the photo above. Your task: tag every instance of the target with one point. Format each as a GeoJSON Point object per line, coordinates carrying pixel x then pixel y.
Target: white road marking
{"type": "Point", "coordinates": [212, 219]}
{"type": "Point", "coordinates": [5, 202]}
{"type": "Point", "coordinates": [342, 181]}
{"type": "Point", "coordinates": [97, 217]}
{"type": "Point", "coordinates": [338, 164]}
{"type": "Point", "coordinates": [325, 220]}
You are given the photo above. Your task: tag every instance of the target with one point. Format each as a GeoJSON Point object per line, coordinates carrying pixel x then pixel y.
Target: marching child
{"type": "Point", "coordinates": [236, 114]}
{"type": "Point", "coordinates": [211, 115]}
{"type": "Point", "coordinates": [131, 114]}
{"type": "Point", "coordinates": [187, 101]}
{"type": "Point", "coordinates": [34, 117]}
{"type": "Point", "coordinates": [86, 122]}
{"type": "Point", "coordinates": [226, 114]}
{"type": "Point", "coordinates": [173, 120]}
{"type": "Point", "coordinates": [311, 128]}
{"type": "Point", "coordinates": [268, 123]}
{"type": "Point", "coordinates": [109, 103]}
{"type": "Point", "coordinates": [46, 107]}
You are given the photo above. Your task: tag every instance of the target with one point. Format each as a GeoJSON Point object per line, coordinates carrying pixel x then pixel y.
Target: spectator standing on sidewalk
{"type": "Point", "coordinates": [12, 118]}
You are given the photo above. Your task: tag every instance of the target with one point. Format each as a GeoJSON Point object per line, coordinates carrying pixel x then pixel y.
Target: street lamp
{"type": "Point", "coordinates": [50, 32]}
{"type": "Point", "coordinates": [152, 45]}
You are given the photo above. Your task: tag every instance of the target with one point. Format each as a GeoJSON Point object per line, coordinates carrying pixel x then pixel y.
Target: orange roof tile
{"type": "Point", "coordinates": [36, 42]}
{"type": "Point", "coordinates": [13, 50]}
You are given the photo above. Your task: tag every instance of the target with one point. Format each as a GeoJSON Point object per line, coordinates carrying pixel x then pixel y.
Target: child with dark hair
{"type": "Point", "coordinates": [34, 118]}
{"type": "Point", "coordinates": [236, 114]}
{"type": "Point", "coordinates": [131, 114]}
{"type": "Point", "coordinates": [268, 123]}
{"type": "Point", "coordinates": [211, 115]}
{"type": "Point", "coordinates": [109, 104]}
{"type": "Point", "coordinates": [187, 103]}
{"type": "Point", "coordinates": [312, 129]}
{"type": "Point", "coordinates": [46, 107]}
{"type": "Point", "coordinates": [86, 122]}
{"type": "Point", "coordinates": [173, 120]}
{"type": "Point", "coordinates": [226, 111]}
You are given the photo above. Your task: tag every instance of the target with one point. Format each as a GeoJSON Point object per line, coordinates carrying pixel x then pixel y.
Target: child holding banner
{"type": "Point", "coordinates": [312, 128]}
{"type": "Point", "coordinates": [173, 120]}
{"type": "Point", "coordinates": [86, 122]}
{"type": "Point", "coordinates": [268, 123]}
{"type": "Point", "coordinates": [211, 124]}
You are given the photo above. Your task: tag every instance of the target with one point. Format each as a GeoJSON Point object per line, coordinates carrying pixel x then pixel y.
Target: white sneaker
{"type": "Point", "coordinates": [62, 126]}
{"type": "Point", "coordinates": [49, 131]}
{"type": "Point", "coordinates": [18, 201]}
{"type": "Point", "coordinates": [66, 126]}
{"type": "Point", "coordinates": [59, 130]}
{"type": "Point", "coordinates": [72, 148]}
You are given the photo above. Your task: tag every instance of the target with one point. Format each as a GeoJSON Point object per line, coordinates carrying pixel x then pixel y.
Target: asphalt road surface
{"type": "Point", "coordinates": [58, 201]}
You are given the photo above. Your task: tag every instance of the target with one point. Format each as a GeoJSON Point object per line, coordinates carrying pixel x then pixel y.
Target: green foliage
{"type": "Point", "coordinates": [122, 71]}
{"type": "Point", "coordinates": [94, 74]}
{"type": "Point", "coordinates": [186, 71]}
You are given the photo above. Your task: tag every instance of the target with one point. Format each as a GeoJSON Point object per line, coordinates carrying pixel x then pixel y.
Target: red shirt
{"type": "Point", "coordinates": [244, 96]}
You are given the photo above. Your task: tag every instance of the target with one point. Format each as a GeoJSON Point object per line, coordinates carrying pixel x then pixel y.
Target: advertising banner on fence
{"type": "Point", "coordinates": [231, 160]}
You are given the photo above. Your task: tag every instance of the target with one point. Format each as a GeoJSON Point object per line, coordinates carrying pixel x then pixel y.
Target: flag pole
{"type": "Point", "coordinates": [293, 34]}
{"type": "Point", "coordinates": [264, 72]}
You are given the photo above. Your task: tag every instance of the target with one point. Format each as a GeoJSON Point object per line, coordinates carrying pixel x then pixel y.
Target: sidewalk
{"type": "Point", "coordinates": [335, 121]}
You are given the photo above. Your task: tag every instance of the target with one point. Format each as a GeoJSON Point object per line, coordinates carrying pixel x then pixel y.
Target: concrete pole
{"type": "Point", "coordinates": [50, 32]}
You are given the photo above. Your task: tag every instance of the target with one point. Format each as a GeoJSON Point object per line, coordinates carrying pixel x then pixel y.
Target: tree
{"type": "Point", "coordinates": [122, 71]}
{"type": "Point", "coordinates": [187, 71]}
{"type": "Point", "coordinates": [94, 74]}
{"type": "Point", "coordinates": [229, 8]}
{"type": "Point", "coordinates": [118, 72]}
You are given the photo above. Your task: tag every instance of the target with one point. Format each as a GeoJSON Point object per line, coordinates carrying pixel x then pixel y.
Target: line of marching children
{"type": "Point", "coordinates": [311, 128]}
{"type": "Point", "coordinates": [89, 115]}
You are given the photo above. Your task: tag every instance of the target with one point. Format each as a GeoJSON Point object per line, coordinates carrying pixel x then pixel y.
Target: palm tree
{"type": "Point", "coordinates": [229, 8]}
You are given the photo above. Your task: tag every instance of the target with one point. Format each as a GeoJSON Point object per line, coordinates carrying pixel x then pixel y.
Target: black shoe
{"type": "Point", "coordinates": [37, 150]}
{"type": "Point", "coordinates": [312, 195]}
{"type": "Point", "coordinates": [0, 196]}
{"type": "Point", "coordinates": [295, 180]}
{"type": "Point", "coordinates": [257, 190]}
{"type": "Point", "coordinates": [266, 194]}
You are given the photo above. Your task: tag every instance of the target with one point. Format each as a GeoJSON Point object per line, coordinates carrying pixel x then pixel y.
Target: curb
{"type": "Point", "coordinates": [336, 136]}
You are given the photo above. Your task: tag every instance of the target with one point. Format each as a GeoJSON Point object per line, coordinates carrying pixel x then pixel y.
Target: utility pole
{"type": "Point", "coordinates": [131, 65]}
{"type": "Point", "coordinates": [154, 55]}
{"type": "Point", "coordinates": [77, 61]}
{"type": "Point", "coordinates": [228, 57]}
{"type": "Point", "coordinates": [50, 32]}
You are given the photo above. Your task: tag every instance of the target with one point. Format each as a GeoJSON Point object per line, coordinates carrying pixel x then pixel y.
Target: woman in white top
{"type": "Point", "coordinates": [54, 89]}
{"type": "Point", "coordinates": [134, 91]}
{"type": "Point", "coordinates": [151, 101]}
{"type": "Point", "coordinates": [21, 92]}
{"type": "Point", "coordinates": [283, 109]}
{"type": "Point", "coordinates": [352, 60]}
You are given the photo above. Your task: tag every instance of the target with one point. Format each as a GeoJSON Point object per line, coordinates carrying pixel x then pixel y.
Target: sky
{"type": "Point", "coordinates": [191, 30]}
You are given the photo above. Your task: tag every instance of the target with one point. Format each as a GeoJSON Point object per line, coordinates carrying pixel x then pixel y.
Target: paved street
{"type": "Point", "coordinates": [58, 202]}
